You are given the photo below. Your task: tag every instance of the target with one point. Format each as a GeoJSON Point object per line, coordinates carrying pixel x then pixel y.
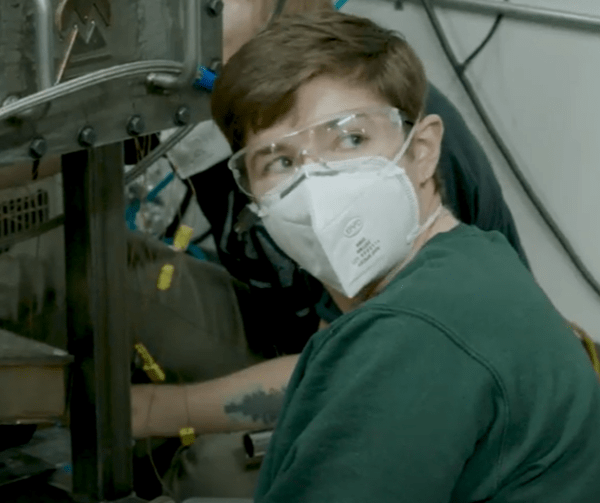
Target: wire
{"type": "Point", "coordinates": [483, 44]}
{"type": "Point", "coordinates": [128, 70]}
{"type": "Point", "coordinates": [512, 164]}
{"type": "Point", "coordinates": [142, 166]}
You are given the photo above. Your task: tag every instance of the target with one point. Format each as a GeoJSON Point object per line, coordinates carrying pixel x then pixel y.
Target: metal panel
{"type": "Point", "coordinates": [96, 321]}
{"type": "Point", "coordinates": [103, 53]}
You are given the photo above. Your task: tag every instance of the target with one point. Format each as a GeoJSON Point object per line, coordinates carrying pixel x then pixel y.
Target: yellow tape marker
{"type": "Point", "coordinates": [182, 237]}
{"type": "Point", "coordinates": [166, 277]}
{"type": "Point", "coordinates": [143, 352]}
{"type": "Point", "coordinates": [187, 435]}
{"type": "Point", "coordinates": [155, 373]}
{"type": "Point", "coordinates": [152, 369]}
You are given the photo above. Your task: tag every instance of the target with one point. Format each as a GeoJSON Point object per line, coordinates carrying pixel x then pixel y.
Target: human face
{"type": "Point", "coordinates": [325, 96]}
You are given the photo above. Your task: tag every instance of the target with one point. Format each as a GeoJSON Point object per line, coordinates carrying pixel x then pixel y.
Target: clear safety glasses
{"type": "Point", "coordinates": [268, 167]}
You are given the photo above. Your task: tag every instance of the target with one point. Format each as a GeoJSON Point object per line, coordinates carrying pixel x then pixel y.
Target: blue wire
{"type": "Point", "coordinates": [131, 213]}
{"type": "Point", "coordinates": [340, 3]}
{"type": "Point", "coordinates": [153, 194]}
{"type": "Point", "coordinates": [133, 209]}
{"type": "Point", "coordinates": [196, 252]}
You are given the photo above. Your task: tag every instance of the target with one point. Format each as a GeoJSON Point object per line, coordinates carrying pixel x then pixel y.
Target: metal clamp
{"type": "Point", "coordinates": [191, 53]}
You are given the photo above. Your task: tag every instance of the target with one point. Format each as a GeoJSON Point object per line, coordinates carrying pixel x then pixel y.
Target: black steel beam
{"type": "Point", "coordinates": [96, 266]}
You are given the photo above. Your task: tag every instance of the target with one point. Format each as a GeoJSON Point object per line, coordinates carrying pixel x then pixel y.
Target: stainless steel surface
{"type": "Point", "coordinates": [44, 43]}
{"type": "Point", "coordinates": [104, 52]}
{"type": "Point", "coordinates": [256, 445]}
{"type": "Point", "coordinates": [522, 12]}
{"type": "Point", "coordinates": [16, 350]}
{"type": "Point", "coordinates": [190, 62]}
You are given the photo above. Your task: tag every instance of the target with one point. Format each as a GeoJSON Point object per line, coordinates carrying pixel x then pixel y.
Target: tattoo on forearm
{"type": "Point", "coordinates": [259, 406]}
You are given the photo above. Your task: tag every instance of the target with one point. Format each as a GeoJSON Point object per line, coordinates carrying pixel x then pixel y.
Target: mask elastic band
{"type": "Point", "coordinates": [407, 143]}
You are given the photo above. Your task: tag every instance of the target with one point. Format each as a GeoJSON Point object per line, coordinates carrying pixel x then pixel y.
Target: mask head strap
{"type": "Point", "coordinates": [406, 144]}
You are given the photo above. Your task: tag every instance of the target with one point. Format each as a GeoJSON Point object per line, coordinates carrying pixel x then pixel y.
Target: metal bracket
{"type": "Point", "coordinates": [83, 8]}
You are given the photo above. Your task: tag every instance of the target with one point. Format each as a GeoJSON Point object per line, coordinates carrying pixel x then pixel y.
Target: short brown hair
{"type": "Point", "coordinates": [305, 6]}
{"type": "Point", "coordinates": [258, 85]}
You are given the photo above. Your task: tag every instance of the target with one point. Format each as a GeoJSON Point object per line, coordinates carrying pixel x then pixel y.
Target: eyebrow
{"type": "Point", "coordinates": [270, 149]}
{"type": "Point", "coordinates": [278, 147]}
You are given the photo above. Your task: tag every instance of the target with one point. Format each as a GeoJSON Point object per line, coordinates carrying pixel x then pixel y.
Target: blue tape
{"type": "Point", "coordinates": [206, 79]}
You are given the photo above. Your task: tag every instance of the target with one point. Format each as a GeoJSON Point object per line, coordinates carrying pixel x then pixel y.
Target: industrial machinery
{"type": "Point", "coordinates": [77, 79]}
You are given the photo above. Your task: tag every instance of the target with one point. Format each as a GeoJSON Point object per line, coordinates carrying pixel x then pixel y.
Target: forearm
{"type": "Point", "coordinates": [247, 400]}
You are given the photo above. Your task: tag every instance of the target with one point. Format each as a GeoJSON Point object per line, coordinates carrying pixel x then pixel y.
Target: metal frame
{"type": "Point", "coordinates": [521, 12]}
{"type": "Point", "coordinates": [94, 209]}
{"type": "Point", "coordinates": [101, 440]}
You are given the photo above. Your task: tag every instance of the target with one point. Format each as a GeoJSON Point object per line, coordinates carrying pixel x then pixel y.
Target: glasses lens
{"type": "Point", "coordinates": [360, 135]}
{"type": "Point", "coordinates": [269, 167]}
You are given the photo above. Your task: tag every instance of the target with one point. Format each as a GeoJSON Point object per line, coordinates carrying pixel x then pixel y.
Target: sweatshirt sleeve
{"type": "Point", "coordinates": [384, 408]}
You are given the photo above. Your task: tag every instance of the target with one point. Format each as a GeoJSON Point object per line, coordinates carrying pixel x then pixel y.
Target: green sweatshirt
{"type": "Point", "coordinates": [459, 383]}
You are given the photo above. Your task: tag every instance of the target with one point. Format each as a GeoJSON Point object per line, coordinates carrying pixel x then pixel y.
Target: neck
{"type": "Point", "coordinates": [444, 223]}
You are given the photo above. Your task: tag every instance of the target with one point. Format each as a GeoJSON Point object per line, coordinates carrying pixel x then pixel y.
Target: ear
{"type": "Point", "coordinates": [427, 144]}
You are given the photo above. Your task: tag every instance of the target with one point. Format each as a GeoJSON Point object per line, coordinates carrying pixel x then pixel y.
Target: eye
{"type": "Point", "coordinates": [278, 165]}
{"type": "Point", "coordinates": [353, 140]}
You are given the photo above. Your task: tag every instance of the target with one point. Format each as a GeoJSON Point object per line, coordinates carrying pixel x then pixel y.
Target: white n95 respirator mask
{"type": "Point", "coordinates": [348, 222]}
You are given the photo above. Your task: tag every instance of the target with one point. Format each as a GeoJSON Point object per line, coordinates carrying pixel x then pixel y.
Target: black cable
{"type": "Point", "coordinates": [481, 46]}
{"type": "Point", "coordinates": [183, 207]}
{"type": "Point", "coordinates": [202, 237]}
{"type": "Point", "coordinates": [172, 228]}
{"type": "Point", "coordinates": [539, 206]}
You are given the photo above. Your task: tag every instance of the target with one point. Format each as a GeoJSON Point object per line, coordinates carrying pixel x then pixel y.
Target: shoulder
{"type": "Point", "coordinates": [389, 341]}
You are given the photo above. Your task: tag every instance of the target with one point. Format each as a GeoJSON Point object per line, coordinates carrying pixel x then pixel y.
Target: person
{"type": "Point", "coordinates": [450, 376]}
{"type": "Point", "coordinates": [279, 296]}
{"type": "Point", "coordinates": [247, 252]}
{"type": "Point", "coordinates": [282, 297]}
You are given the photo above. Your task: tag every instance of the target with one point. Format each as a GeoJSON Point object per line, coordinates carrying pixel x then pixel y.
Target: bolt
{"type": "Point", "coordinates": [215, 66]}
{"type": "Point", "coordinates": [214, 8]}
{"type": "Point", "coordinates": [182, 116]}
{"type": "Point", "coordinates": [135, 125]}
{"type": "Point", "coordinates": [87, 136]}
{"type": "Point", "coordinates": [38, 148]}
